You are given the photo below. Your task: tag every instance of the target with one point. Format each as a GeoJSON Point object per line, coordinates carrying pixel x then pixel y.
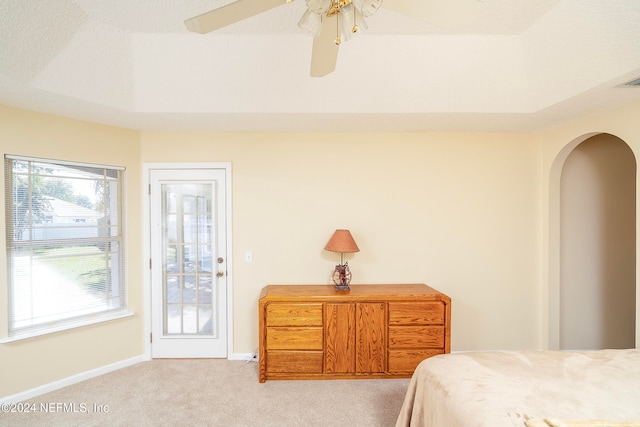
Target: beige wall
{"type": "Point", "coordinates": [471, 214]}
{"type": "Point", "coordinates": [459, 212]}
{"type": "Point", "coordinates": [38, 361]}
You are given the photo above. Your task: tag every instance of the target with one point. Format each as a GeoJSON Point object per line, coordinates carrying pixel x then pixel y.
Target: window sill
{"type": "Point", "coordinates": [65, 326]}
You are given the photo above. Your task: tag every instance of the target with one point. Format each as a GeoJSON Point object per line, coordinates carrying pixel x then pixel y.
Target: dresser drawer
{"type": "Point", "coordinates": [416, 313]}
{"type": "Point", "coordinates": [416, 337]}
{"type": "Point", "coordinates": [405, 361]}
{"type": "Point", "coordinates": [294, 314]}
{"type": "Point", "coordinates": [290, 338]}
{"type": "Point", "coordinates": [299, 362]}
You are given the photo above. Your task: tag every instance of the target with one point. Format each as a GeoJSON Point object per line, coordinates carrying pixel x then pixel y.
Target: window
{"type": "Point", "coordinates": [64, 244]}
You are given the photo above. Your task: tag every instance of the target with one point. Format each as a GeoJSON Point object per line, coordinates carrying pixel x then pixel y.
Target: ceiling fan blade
{"type": "Point", "coordinates": [229, 14]}
{"type": "Point", "coordinates": [444, 13]}
{"type": "Point", "coordinates": [325, 52]}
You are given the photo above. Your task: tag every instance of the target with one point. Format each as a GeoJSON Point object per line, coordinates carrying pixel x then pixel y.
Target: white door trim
{"type": "Point", "coordinates": [146, 225]}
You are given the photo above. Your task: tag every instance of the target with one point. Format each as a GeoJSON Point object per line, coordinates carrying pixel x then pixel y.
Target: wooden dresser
{"type": "Point", "coordinates": [369, 331]}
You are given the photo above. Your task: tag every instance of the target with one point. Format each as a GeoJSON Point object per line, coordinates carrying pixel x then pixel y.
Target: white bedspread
{"type": "Point", "coordinates": [496, 389]}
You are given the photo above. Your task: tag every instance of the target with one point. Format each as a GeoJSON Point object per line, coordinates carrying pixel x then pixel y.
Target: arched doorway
{"type": "Point", "coordinates": [597, 215]}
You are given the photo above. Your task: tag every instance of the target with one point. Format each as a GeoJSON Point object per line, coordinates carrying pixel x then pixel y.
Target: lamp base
{"type": "Point", "coordinates": [342, 277]}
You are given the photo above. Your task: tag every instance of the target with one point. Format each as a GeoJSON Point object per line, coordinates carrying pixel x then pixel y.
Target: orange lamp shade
{"type": "Point", "coordinates": [342, 241]}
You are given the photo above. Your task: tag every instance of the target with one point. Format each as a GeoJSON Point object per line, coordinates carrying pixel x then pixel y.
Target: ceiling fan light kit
{"type": "Point", "coordinates": [349, 18]}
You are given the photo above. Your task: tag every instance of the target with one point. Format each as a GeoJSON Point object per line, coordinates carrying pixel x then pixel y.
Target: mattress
{"type": "Point", "coordinates": [520, 388]}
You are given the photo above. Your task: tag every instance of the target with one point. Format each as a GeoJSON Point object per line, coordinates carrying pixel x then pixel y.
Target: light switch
{"type": "Point", "coordinates": [248, 257]}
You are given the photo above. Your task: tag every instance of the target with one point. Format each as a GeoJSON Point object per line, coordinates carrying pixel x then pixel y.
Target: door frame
{"type": "Point", "coordinates": [146, 225]}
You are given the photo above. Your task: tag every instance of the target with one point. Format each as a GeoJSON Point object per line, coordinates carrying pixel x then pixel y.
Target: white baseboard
{"type": "Point", "coordinates": [74, 379]}
{"type": "Point", "coordinates": [242, 356]}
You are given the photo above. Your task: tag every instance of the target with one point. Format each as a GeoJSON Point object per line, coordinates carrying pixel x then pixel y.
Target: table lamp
{"type": "Point", "coordinates": [342, 242]}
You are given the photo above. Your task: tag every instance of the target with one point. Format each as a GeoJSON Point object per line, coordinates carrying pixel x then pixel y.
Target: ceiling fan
{"type": "Point", "coordinates": [332, 21]}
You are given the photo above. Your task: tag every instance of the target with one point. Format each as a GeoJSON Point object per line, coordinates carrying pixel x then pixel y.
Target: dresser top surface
{"type": "Point", "coordinates": [388, 291]}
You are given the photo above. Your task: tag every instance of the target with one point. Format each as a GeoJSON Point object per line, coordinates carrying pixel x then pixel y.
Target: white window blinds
{"type": "Point", "coordinates": [64, 242]}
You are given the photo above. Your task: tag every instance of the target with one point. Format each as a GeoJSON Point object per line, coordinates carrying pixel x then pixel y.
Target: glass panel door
{"type": "Point", "coordinates": [188, 258]}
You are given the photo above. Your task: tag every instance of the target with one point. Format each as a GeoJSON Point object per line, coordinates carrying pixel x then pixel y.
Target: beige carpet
{"type": "Point", "coordinates": [213, 392]}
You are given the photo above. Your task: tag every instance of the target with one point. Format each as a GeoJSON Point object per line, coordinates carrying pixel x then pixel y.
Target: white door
{"type": "Point", "coordinates": [188, 263]}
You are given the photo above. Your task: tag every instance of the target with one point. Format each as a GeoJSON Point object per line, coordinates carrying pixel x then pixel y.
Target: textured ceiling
{"type": "Point", "coordinates": [522, 65]}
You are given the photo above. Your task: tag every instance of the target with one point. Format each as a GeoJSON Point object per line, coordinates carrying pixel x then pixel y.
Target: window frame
{"type": "Point", "coordinates": [7, 335]}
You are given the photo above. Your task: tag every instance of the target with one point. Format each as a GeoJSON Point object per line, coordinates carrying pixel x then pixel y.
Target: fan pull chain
{"type": "Point", "coordinates": [337, 41]}
{"type": "Point", "coordinates": [355, 27]}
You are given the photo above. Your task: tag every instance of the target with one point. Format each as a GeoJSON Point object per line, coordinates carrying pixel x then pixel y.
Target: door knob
{"type": "Point", "coordinates": [220, 274]}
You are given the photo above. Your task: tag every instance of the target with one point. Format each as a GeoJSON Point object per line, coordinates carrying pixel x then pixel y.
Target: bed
{"type": "Point", "coordinates": [525, 388]}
